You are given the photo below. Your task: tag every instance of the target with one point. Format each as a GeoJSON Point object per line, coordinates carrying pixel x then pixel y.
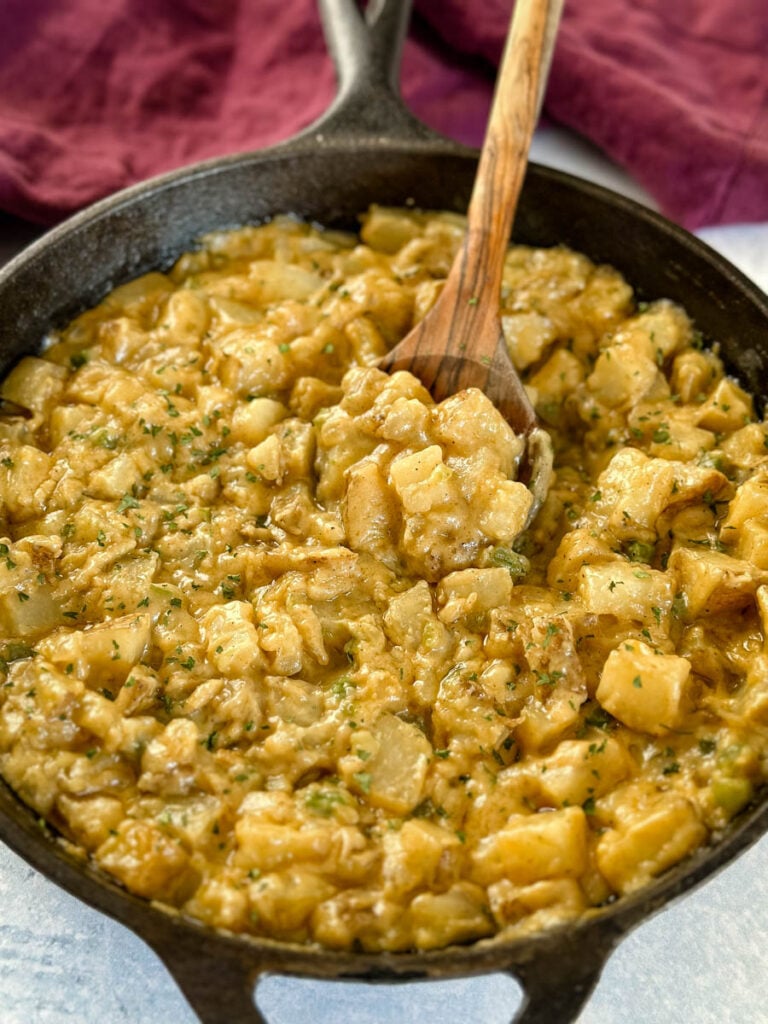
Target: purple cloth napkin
{"type": "Point", "coordinates": [96, 96]}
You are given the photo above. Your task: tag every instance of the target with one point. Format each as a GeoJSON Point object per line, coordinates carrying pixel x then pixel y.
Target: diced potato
{"type": "Point", "coordinates": [678, 439]}
{"type": "Point", "coordinates": [252, 421]}
{"type": "Point", "coordinates": [426, 295]}
{"type": "Point", "coordinates": [106, 650]}
{"type": "Point", "coordinates": [580, 769]}
{"type": "Point", "coordinates": [528, 336]}
{"type": "Point", "coordinates": [232, 639]}
{"type": "Point", "coordinates": [749, 501]}
{"type": "Point", "coordinates": [657, 835]}
{"type": "Point", "coordinates": [408, 614]}
{"type": "Point", "coordinates": [121, 338]}
{"type": "Point", "coordinates": [369, 510]}
{"type": "Point", "coordinates": [506, 507]}
{"type": "Point", "coordinates": [713, 582]}
{"type": "Point", "coordinates": [34, 384]}
{"type": "Point", "coordinates": [266, 459]}
{"type": "Point", "coordinates": [578, 547]}
{"type": "Point", "coordinates": [405, 421]}
{"type": "Point", "coordinates": [28, 608]}
{"type": "Point", "coordinates": [422, 481]}
{"type": "Point", "coordinates": [562, 373]}
{"type": "Point", "coordinates": [217, 902]}
{"type": "Point", "coordinates": [144, 859]}
{"type": "Point", "coordinates": [467, 422]}
{"type": "Point", "coordinates": [266, 847]}
{"type": "Point", "coordinates": [392, 775]}
{"type": "Point", "coordinates": [561, 897]}
{"type": "Point", "coordinates": [253, 364]}
{"type": "Point", "coordinates": [692, 482]}
{"type": "Point", "coordinates": [727, 408]}
{"type": "Point", "coordinates": [280, 639]}
{"type": "Point", "coordinates": [137, 296]}
{"type": "Point", "coordinates": [171, 759]}
{"type": "Point", "coordinates": [746, 447]}
{"type": "Point", "coordinates": [311, 394]}
{"type": "Point", "coordinates": [645, 690]}
{"type": "Point", "coordinates": [387, 229]}
{"type": "Point", "coordinates": [693, 374]}
{"type": "Point", "coordinates": [752, 543]}
{"type": "Point", "coordinates": [118, 476]}
{"type": "Point", "coordinates": [533, 847]}
{"type": "Point", "coordinates": [636, 490]}
{"type": "Point", "coordinates": [627, 590]}
{"type": "Point", "coordinates": [25, 481]}
{"type": "Point", "coordinates": [415, 854]}
{"type": "Point", "coordinates": [213, 400]}
{"type": "Point", "coordinates": [65, 420]}
{"type": "Point", "coordinates": [375, 293]}
{"type": "Point", "coordinates": [128, 582]}
{"type": "Point", "coordinates": [284, 901]}
{"type": "Point", "coordinates": [622, 376]}
{"type": "Point", "coordinates": [185, 317]}
{"type": "Point", "coordinates": [91, 818]}
{"type": "Point", "coordinates": [191, 820]}
{"type": "Point", "coordinates": [362, 917]}
{"type": "Point", "coordinates": [473, 592]}
{"type": "Point", "coordinates": [273, 281]}
{"type": "Point", "coordinates": [458, 915]}
{"type": "Point", "coordinates": [541, 726]}
{"type": "Point", "coordinates": [661, 330]}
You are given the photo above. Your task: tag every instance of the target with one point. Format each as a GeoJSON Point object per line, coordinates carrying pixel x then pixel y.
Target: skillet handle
{"type": "Point", "coordinates": [557, 984]}
{"type": "Point", "coordinates": [219, 983]}
{"type": "Point", "coordinates": [366, 49]}
{"type": "Point", "coordinates": [219, 988]}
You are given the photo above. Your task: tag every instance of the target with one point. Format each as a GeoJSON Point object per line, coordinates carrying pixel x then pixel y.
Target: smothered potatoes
{"type": "Point", "coordinates": [277, 648]}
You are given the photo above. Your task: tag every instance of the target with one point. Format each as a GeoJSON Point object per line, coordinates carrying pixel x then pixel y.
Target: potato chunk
{"type": "Point", "coordinates": [623, 375]}
{"type": "Point", "coordinates": [545, 902]}
{"type": "Point", "coordinates": [473, 592]}
{"type": "Point", "coordinates": [251, 421]}
{"type": "Point", "coordinates": [626, 590]}
{"type": "Point", "coordinates": [458, 915]}
{"type": "Point", "coordinates": [580, 769]}
{"type": "Point", "coordinates": [107, 650]}
{"type": "Point", "coordinates": [389, 765]}
{"type": "Point", "coordinates": [144, 859]}
{"type": "Point", "coordinates": [643, 689]}
{"type": "Point", "coordinates": [714, 582]}
{"type": "Point", "coordinates": [417, 855]}
{"type": "Point", "coordinates": [532, 847]}
{"type": "Point", "coordinates": [647, 840]}
{"type": "Point", "coordinates": [34, 384]}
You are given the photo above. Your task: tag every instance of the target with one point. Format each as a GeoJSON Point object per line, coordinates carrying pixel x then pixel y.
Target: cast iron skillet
{"type": "Point", "coordinates": [367, 148]}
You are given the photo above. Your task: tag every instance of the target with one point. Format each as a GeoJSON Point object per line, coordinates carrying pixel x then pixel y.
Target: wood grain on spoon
{"type": "Point", "coordinates": [460, 344]}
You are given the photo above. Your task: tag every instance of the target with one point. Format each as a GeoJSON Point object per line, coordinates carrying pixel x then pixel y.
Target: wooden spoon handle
{"type": "Point", "coordinates": [520, 88]}
{"type": "Point", "coordinates": [459, 344]}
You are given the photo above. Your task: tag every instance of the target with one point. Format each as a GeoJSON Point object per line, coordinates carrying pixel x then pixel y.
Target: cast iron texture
{"type": "Point", "coordinates": [367, 149]}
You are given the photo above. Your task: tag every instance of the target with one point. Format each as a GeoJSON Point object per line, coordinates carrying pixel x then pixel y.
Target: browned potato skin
{"type": "Point", "coordinates": [270, 655]}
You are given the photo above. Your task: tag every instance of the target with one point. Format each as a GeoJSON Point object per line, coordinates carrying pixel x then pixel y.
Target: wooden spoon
{"type": "Point", "coordinates": [460, 344]}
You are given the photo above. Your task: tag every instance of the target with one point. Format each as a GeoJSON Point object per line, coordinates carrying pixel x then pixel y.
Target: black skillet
{"type": "Point", "coordinates": [367, 148]}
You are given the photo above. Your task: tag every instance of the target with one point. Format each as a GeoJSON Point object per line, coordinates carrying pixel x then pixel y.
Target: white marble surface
{"type": "Point", "coordinates": [702, 961]}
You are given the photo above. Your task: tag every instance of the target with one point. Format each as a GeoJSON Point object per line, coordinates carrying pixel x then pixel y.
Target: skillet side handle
{"type": "Point", "coordinates": [557, 985]}
{"type": "Point", "coordinates": [219, 988]}
{"type": "Point", "coordinates": [366, 49]}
